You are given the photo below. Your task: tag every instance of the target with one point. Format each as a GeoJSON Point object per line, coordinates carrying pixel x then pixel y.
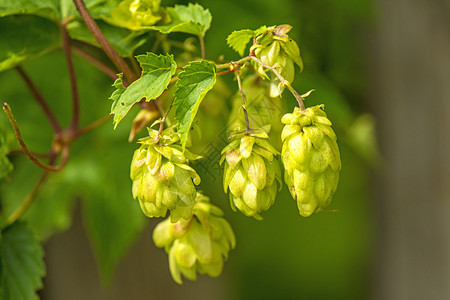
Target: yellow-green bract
{"type": "Point", "coordinates": [200, 244]}
{"type": "Point", "coordinates": [162, 178]}
{"type": "Point", "coordinates": [311, 158]}
{"type": "Point", "coordinates": [251, 173]}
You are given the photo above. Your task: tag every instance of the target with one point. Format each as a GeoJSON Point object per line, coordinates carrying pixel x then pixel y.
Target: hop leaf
{"type": "Point", "coordinates": [311, 158]}
{"type": "Point", "coordinates": [238, 40]}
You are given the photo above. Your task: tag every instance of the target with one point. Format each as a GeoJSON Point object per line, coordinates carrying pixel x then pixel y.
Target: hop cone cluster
{"type": "Point", "coordinates": [251, 173]}
{"type": "Point", "coordinates": [311, 159]}
{"type": "Point", "coordinates": [162, 178]}
{"type": "Point", "coordinates": [275, 49]}
{"type": "Point", "coordinates": [200, 244]}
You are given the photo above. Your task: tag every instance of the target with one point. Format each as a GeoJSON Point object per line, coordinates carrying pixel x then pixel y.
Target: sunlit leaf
{"type": "Point", "coordinates": [238, 40]}
{"type": "Point", "coordinates": [193, 19]}
{"type": "Point", "coordinates": [193, 84]}
{"type": "Point", "coordinates": [156, 73]}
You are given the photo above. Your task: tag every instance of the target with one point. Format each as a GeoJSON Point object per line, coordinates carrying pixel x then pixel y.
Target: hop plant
{"type": "Point", "coordinates": [199, 244]}
{"type": "Point", "coordinates": [251, 173]}
{"type": "Point", "coordinates": [162, 178]}
{"type": "Point", "coordinates": [311, 159]}
{"type": "Point", "coordinates": [275, 49]}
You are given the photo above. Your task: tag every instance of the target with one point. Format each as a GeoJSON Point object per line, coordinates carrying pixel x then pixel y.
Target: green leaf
{"type": "Point", "coordinates": [43, 8]}
{"type": "Point", "coordinates": [23, 37]}
{"type": "Point", "coordinates": [193, 84]}
{"type": "Point", "coordinates": [193, 19]}
{"type": "Point", "coordinates": [6, 138]}
{"type": "Point", "coordinates": [156, 73]}
{"type": "Point", "coordinates": [21, 261]}
{"type": "Point", "coordinates": [238, 40]}
{"type": "Point", "coordinates": [123, 40]}
{"type": "Point", "coordinates": [112, 218]}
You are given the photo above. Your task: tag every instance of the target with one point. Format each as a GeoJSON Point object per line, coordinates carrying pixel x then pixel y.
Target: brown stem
{"type": "Point", "coordinates": [202, 46]}
{"type": "Point", "coordinates": [247, 123]}
{"type": "Point", "coordinates": [283, 81]}
{"type": "Point", "coordinates": [104, 68]}
{"type": "Point", "coordinates": [92, 126]}
{"type": "Point", "coordinates": [105, 45]}
{"type": "Point", "coordinates": [73, 78]}
{"type": "Point", "coordinates": [40, 99]}
{"type": "Point", "coordinates": [227, 65]}
{"type": "Point", "coordinates": [161, 125]}
{"type": "Point", "coordinates": [7, 110]}
{"type": "Point", "coordinates": [224, 72]}
{"type": "Point", "coordinates": [20, 211]}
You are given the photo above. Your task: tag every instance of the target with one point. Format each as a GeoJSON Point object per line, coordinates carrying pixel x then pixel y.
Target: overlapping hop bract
{"type": "Point", "coordinates": [275, 49]}
{"type": "Point", "coordinates": [200, 244]}
{"type": "Point", "coordinates": [311, 158]}
{"type": "Point", "coordinates": [251, 173]}
{"type": "Point", "coordinates": [162, 178]}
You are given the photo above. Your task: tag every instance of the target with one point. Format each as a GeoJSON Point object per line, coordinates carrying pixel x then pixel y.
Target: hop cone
{"type": "Point", "coordinates": [275, 49]}
{"type": "Point", "coordinates": [200, 244]}
{"type": "Point", "coordinates": [162, 178]}
{"type": "Point", "coordinates": [250, 172]}
{"type": "Point", "coordinates": [311, 159]}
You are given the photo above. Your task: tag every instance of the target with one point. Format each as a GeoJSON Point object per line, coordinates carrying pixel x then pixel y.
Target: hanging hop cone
{"type": "Point", "coordinates": [162, 178]}
{"type": "Point", "coordinates": [275, 49]}
{"type": "Point", "coordinates": [200, 244]}
{"type": "Point", "coordinates": [251, 173]}
{"type": "Point", "coordinates": [311, 159]}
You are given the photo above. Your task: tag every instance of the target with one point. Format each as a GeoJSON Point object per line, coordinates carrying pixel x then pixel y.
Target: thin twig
{"type": "Point", "coordinates": [93, 125]}
{"type": "Point", "coordinates": [224, 72]}
{"type": "Point", "coordinates": [283, 82]}
{"type": "Point", "coordinates": [28, 200]}
{"type": "Point", "coordinates": [238, 77]}
{"type": "Point", "coordinates": [73, 78]}
{"type": "Point", "coordinates": [106, 46]}
{"type": "Point", "coordinates": [161, 125]}
{"type": "Point", "coordinates": [227, 65]}
{"type": "Point", "coordinates": [7, 110]}
{"type": "Point", "coordinates": [202, 46]}
{"type": "Point", "coordinates": [20, 211]}
{"type": "Point", "coordinates": [40, 99]}
{"type": "Point", "coordinates": [101, 66]}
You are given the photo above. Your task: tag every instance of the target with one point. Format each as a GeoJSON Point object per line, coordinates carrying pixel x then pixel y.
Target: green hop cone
{"type": "Point", "coordinates": [162, 178]}
{"type": "Point", "coordinates": [200, 244]}
{"type": "Point", "coordinates": [135, 14]}
{"type": "Point", "coordinates": [251, 173]}
{"type": "Point", "coordinates": [275, 49]}
{"type": "Point", "coordinates": [311, 158]}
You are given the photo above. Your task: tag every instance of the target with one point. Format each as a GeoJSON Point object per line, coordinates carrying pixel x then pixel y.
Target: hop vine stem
{"type": "Point", "coordinates": [282, 81]}
{"type": "Point", "coordinates": [101, 66]}
{"type": "Point", "coordinates": [26, 151]}
{"type": "Point", "coordinates": [72, 76]}
{"type": "Point", "coordinates": [40, 99]}
{"type": "Point", "coordinates": [238, 77]}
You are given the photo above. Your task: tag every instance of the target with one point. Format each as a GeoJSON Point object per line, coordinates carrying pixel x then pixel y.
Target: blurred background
{"type": "Point", "coordinates": [381, 68]}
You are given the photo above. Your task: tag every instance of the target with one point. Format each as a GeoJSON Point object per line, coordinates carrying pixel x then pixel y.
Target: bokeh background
{"type": "Point", "coordinates": [382, 70]}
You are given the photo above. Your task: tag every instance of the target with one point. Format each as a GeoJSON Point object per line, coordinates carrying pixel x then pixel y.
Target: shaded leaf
{"type": "Point", "coordinates": [156, 73]}
{"type": "Point", "coordinates": [123, 40]}
{"type": "Point", "coordinates": [21, 261]}
{"type": "Point", "coordinates": [193, 19]}
{"type": "Point", "coordinates": [44, 8]}
{"type": "Point", "coordinates": [193, 84]}
{"type": "Point", "coordinates": [23, 37]}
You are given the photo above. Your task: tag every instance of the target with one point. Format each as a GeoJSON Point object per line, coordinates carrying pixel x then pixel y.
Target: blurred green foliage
{"type": "Point", "coordinates": [285, 256]}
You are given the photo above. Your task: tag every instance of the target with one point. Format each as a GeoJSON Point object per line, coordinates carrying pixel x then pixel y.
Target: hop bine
{"type": "Point", "coordinates": [200, 244]}
{"type": "Point", "coordinates": [276, 49]}
{"type": "Point", "coordinates": [251, 173]}
{"type": "Point", "coordinates": [311, 158]}
{"type": "Point", "coordinates": [162, 178]}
